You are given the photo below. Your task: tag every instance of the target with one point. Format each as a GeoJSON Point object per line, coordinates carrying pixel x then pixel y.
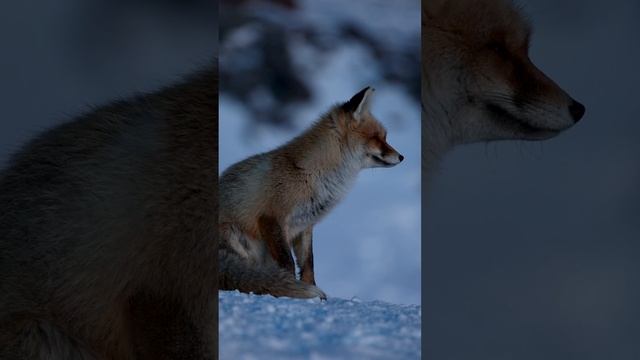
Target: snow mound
{"type": "Point", "coordinates": [264, 327]}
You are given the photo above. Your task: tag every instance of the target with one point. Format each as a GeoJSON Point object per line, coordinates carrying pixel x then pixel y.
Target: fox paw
{"type": "Point", "coordinates": [319, 293]}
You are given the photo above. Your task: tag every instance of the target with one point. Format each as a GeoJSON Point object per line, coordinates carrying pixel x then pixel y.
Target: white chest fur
{"type": "Point", "coordinates": [329, 188]}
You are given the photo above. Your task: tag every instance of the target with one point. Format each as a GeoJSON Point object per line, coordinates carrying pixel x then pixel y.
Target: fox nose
{"type": "Point", "coordinates": [576, 110]}
{"type": "Point", "coordinates": [400, 157]}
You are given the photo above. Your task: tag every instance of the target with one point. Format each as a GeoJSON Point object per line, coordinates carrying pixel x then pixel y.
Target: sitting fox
{"type": "Point", "coordinates": [270, 202]}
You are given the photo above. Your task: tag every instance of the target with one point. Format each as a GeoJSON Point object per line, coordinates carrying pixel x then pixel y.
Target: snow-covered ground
{"type": "Point", "coordinates": [263, 327]}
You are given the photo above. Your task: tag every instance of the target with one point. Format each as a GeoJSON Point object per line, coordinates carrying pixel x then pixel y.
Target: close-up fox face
{"type": "Point", "coordinates": [365, 137]}
{"type": "Point", "coordinates": [485, 76]}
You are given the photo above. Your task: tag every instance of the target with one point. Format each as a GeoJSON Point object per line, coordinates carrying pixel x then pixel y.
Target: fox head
{"type": "Point", "coordinates": [362, 135]}
{"type": "Point", "coordinates": [478, 79]}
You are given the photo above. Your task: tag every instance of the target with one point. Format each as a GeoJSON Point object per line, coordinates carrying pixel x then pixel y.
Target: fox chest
{"type": "Point", "coordinates": [323, 198]}
{"type": "Point", "coordinates": [309, 213]}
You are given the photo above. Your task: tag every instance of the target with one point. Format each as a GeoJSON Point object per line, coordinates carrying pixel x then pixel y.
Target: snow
{"type": "Point", "coordinates": [264, 327]}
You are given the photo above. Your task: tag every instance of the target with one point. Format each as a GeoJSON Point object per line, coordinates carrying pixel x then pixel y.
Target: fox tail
{"type": "Point", "coordinates": [237, 273]}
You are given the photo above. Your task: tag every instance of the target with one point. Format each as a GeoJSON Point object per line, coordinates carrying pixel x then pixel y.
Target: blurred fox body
{"type": "Point", "coordinates": [108, 232]}
{"type": "Point", "coordinates": [270, 202]}
{"type": "Point", "coordinates": [478, 81]}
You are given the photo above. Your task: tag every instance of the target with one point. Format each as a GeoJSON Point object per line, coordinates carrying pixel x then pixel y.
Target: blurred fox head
{"type": "Point", "coordinates": [362, 136]}
{"type": "Point", "coordinates": [479, 75]}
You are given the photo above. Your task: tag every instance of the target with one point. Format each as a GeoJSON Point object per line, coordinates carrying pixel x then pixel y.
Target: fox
{"type": "Point", "coordinates": [270, 202]}
{"type": "Point", "coordinates": [478, 82]}
{"type": "Point", "coordinates": [108, 231]}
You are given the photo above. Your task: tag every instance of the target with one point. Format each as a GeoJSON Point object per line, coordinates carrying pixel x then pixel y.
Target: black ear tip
{"type": "Point", "coordinates": [353, 103]}
{"type": "Point", "coordinates": [366, 88]}
{"type": "Point", "coordinates": [360, 94]}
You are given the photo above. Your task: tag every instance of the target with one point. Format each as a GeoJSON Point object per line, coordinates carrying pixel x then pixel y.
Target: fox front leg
{"type": "Point", "coordinates": [273, 234]}
{"type": "Point", "coordinates": [303, 248]}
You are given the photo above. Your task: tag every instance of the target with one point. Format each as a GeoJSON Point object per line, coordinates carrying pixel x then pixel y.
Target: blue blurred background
{"type": "Point", "coordinates": [60, 58]}
{"type": "Point", "coordinates": [532, 250]}
{"type": "Point", "coordinates": [282, 65]}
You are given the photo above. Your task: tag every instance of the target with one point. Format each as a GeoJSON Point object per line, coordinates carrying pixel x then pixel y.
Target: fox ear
{"type": "Point", "coordinates": [359, 103]}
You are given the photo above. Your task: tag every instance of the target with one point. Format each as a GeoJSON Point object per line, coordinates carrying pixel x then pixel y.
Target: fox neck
{"type": "Point", "coordinates": [329, 168]}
